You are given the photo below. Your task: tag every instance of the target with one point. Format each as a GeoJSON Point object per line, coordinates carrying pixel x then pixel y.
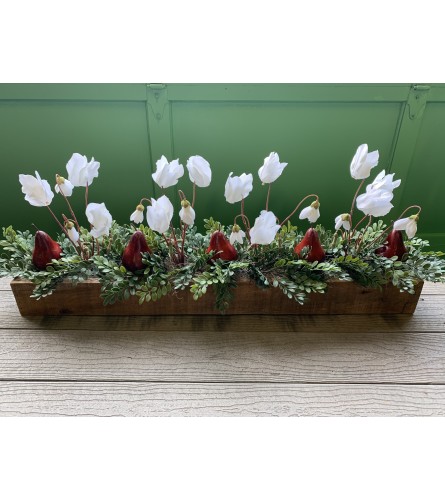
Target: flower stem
{"type": "Point", "coordinates": [74, 219]}
{"type": "Point", "coordinates": [392, 222]}
{"type": "Point", "coordinates": [175, 240]}
{"type": "Point", "coordinates": [145, 199]}
{"type": "Point", "coordinates": [297, 207]}
{"type": "Point", "coordinates": [353, 200]}
{"type": "Point", "coordinates": [62, 228]}
{"type": "Point", "coordinates": [360, 240]}
{"type": "Point", "coordinates": [194, 195]}
{"type": "Point", "coordinates": [268, 196]}
{"type": "Point", "coordinates": [406, 210]}
{"type": "Point", "coordinates": [359, 222]}
{"type": "Point", "coordinates": [244, 217]}
{"type": "Point", "coordinates": [86, 195]}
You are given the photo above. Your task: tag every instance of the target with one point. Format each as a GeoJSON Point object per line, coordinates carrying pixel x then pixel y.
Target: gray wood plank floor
{"type": "Point", "coordinates": [222, 366]}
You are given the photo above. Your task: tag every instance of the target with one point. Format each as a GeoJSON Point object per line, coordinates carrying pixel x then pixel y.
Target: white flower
{"type": "Point", "coordinates": [38, 191]}
{"type": "Point", "coordinates": [138, 215]}
{"type": "Point", "coordinates": [159, 214]}
{"type": "Point", "coordinates": [409, 224]}
{"type": "Point", "coordinates": [238, 188]}
{"type": "Point", "coordinates": [376, 202]}
{"type": "Point", "coordinates": [311, 213]}
{"type": "Point", "coordinates": [63, 186]}
{"type": "Point", "coordinates": [80, 171]}
{"type": "Point", "coordinates": [265, 228]}
{"type": "Point", "coordinates": [199, 171]}
{"type": "Point", "coordinates": [343, 220]}
{"type": "Point", "coordinates": [100, 218]}
{"type": "Point", "coordinates": [377, 199]}
{"type": "Point", "coordinates": [237, 234]}
{"type": "Point", "coordinates": [167, 174]}
{"type": "Point", "coordinates": [187, 214]}
{"type": "Point", "coordinates": [363, 161]}
{"type": "Point", "coordinates": [384, 182]}
{"type": "Point", "coordinates": [271, 169]}
{"type": "Point", "coordinates": [72, 232]}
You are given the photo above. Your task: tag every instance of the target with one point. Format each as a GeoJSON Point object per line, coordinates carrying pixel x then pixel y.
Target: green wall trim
{"type": "Point", "coordinates": [73, 91]}
{"type": "Point", "coordinates": [289, 92]}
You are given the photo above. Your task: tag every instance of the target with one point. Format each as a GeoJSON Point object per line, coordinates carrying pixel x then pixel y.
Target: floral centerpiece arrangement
{"type": "Point", "coordinates": [155, 259]}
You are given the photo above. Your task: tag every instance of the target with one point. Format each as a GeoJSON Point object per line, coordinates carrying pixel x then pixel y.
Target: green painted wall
{"type": "Point", "coordinates": [315, 128]}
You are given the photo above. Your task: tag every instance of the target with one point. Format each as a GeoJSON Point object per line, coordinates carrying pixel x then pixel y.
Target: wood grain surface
{"type": "Point", "coordinates": [224, 365]}
{"type": "Point", "coordinates": [222, 400]}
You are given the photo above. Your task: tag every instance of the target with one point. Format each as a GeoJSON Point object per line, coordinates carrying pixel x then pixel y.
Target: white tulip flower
{"type": "Point", "coordinates": [363, 162]}
{"type": "Point", "coordinates": [100, 218]}
{"type": "Point", "coordinates": [80, 171]}
{"type": "Point", "coordinates": [63, 186]}
{"type": "Point", "coordinates": [238, 188]}
{"type": "Point", "coordinates": [343, 220]}
{"type": "Point", "coordinates": [37, 191]}
{"type": "Point", "coordinates": [237, 235]}
{"type": "Point", "coordinates": [159, 214]}
{"type": "Point", "coordinates": [271, 169]}
{"type": "Point", "coordinates": [72, 232]}
{"type": "Point", "coordinates": [409, 224]}
{"type": "Point", "coordinates": [167, 174]}
{"type": "Point", "coordinates": [265, 228]}
{"type": "Point", "coordinates": [187, 214]}
{"type": "Point", "coordinates": [138, 215]}
{"type": "Point", "coordinates": [199, 171]}
{"type": "Point", "coordinates": [311, 213]}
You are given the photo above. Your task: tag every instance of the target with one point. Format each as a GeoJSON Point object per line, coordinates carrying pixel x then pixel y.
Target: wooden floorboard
{"type": "Point", "coordinates": [259, 400]}
{"type": "Point", "coordinates": [388, 365]}
{"type": "Point", "coordinates": [209, 356]}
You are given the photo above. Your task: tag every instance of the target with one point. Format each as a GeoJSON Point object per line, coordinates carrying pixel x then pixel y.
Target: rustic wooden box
{"type": "Point", "coordinates": [342, 297]}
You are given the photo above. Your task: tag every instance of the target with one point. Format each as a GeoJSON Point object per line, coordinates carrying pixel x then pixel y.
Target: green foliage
{"type": "Point", "coordinates": [212, 225]}
{"type": "Point", "coordinates": [275, 265]}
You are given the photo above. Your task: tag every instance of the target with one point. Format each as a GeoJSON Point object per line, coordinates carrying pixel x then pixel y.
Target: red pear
{"type": "Point", "coordinates": [45, 249]}
{"type": "Point", "coordinates": [132, 256]}
{"type": "Point", "coordinates": [311, 240]}
{"type": "Point", "coordinates": [223, 248]}
{"type": "Point", "coordinates": [394, 246]}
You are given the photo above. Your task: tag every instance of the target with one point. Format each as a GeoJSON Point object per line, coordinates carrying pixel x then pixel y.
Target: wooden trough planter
{"type": "Point", "coordinates": [341, 297]}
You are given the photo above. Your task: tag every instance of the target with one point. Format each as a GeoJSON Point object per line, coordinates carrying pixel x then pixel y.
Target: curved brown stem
{"type": "Point", "coordinates": [297, 207]}
{"type": "Point", "coordinates": [406, 210]}
{"type": "Point", "coordinates": [392, 222]}
{"type": "Point", "coordinates": [144, 199]}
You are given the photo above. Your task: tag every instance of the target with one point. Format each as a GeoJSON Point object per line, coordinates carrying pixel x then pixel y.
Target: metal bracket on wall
{"type": "Point", "coordinates": [157, 99]}
{"type": "Point", "coordinates": [417, 99]}
{"type": "Point", "coordinates": [159, 123]}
